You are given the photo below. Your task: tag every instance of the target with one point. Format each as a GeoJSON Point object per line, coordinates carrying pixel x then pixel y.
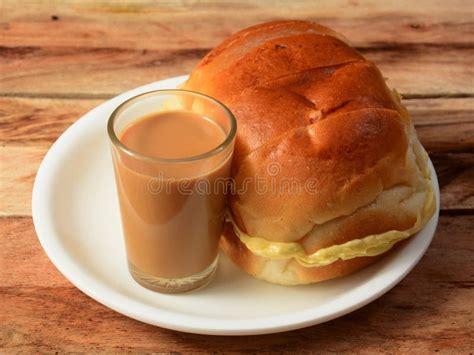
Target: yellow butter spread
{"type": "Point", "coordinates": [368, 246]}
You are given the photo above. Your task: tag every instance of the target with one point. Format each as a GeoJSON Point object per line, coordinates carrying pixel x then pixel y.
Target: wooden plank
{"type": "Point", "coordinates": [409, 69]}
{"type": "Point", "coordinates": [82, 71]}
{"type": "Point", "coordinates": [427, 112]}
{"type": "Point", "coordinates": [202, 24]}
{"type": "Point", "coordinates": [23, 262]}
{"type": "Point", "coordinates": [450, 137]}
{"type": "Point", "coordinates": [442, 124]}
{"type": "Point", "coordinates": [73, 70]}
{"type": "Point", "coordinates": [456, 178]}
{"type": "Point", "coordinates": [18, 166]}
{"type": "Point", "coordinates": [39, 121]}
{"type": "Point", "coordinates": [426, 311]}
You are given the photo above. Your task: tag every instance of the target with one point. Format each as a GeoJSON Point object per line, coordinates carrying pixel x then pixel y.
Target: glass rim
{"type": "Point", "coordinates": [133, 153]}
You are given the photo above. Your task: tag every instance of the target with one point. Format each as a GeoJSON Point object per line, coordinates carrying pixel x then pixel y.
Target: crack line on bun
{"type": "Point", "coordinates": [277, 138]}
{"type": "Point", "coordinates": [297, 74]}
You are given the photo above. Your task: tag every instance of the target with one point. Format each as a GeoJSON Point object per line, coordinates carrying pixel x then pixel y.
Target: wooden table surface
{"type": "Point", "coordinates": [60, 59]}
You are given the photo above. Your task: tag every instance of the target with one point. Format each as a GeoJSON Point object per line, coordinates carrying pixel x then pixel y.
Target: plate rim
{"type": "Point", "coordinates": [170, 319]}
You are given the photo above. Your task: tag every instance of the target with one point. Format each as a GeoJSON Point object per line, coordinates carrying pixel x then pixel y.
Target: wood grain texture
{"type": "Point", "coordinates": [100, 49]}
{"type": "Point", "coordinates": [40, 121]}
{"type": "Point", "coordinates": [202, 24]}
{"type": "Point", "coordinates": [18, 166]}
{"type": "Point", "coordinates": [107, 71]}
{"type": "Point", "coordinates": [31, 268]}
{"type": "Point", "coordinates": [430, 310]}
{"type": "Point", "coordinates": [59, 59]}
{"type": "Point", "coordinates": [456, 178]}
{"type": "Point", "coordinates": [444, 125]}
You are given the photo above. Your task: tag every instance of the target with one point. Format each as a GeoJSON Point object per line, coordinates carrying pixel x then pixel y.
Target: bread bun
{"type": "Point", "coordinates": [329, 173]}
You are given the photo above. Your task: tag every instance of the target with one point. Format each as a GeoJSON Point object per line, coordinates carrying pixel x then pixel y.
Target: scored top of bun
{"type": "Point", "coordinates": [311, 109]}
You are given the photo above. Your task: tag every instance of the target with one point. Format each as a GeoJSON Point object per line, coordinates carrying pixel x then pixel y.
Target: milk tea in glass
{"type": "Point", "coordinates": [172, 151]}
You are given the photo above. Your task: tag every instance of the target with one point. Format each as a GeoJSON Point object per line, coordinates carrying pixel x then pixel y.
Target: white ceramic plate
{"type": "Point", "coordinates": [76, 216]}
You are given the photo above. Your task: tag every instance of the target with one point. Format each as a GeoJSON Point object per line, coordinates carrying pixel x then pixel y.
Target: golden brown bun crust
{"type": "Point", "coordinates": [342, 179]}
{"type": "Point", "coordinates": [312, 113]}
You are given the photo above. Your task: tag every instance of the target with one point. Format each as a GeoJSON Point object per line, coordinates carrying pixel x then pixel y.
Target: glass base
{"type": "Point", "coordinates": [177, 285]}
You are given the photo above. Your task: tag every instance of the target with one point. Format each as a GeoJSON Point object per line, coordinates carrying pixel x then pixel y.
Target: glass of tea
{"type": "Point", "coordinates": [172, 151]}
